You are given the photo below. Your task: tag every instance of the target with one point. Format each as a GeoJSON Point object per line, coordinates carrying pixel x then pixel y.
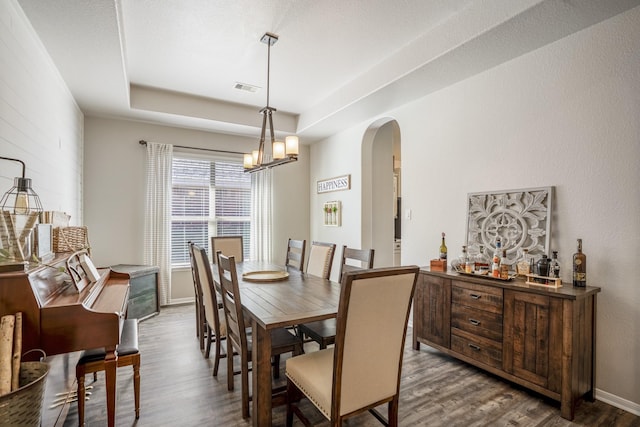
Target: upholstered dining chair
{"type": "Point", "coordinates": [197, 291]}
{"type": "Point", "coordinates": [372, 320]}
{"type": "Point", "coordinates": [282, 341]}
{"type": "Point", "coordinates": [321, 259]}
{"type": "Point", "coordinates": [215, 327]}
{"type": "Point", "coordinates": [324, 331]}
{"type": "Point", "coordinates": [295, 254]}
{"type": "Point", "coordinates": [229, 245]}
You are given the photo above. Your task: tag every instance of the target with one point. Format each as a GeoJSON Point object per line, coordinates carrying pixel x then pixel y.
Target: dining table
{"type": "Point", "coordinates": [283, 297]}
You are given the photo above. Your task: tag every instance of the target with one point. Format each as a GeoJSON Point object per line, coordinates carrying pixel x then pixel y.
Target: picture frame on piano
{"type": "Point", "coordinates": [82, 270]}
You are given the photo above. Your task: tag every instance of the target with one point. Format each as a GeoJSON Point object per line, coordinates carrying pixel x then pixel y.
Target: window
{"type": "Point", "coordinates": [209, 198]}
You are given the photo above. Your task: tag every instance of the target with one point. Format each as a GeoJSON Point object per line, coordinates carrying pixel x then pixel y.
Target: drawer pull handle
{"type": "Point", "coordinates": [474, 347]}
{"type": "Point", "coordinates": [474, 322]}
{"type": "Point", "coordinates": [475, 296]}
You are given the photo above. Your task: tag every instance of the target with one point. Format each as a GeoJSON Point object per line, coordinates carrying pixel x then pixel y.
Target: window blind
{"type": "Point", "coordinates": [209, 198]}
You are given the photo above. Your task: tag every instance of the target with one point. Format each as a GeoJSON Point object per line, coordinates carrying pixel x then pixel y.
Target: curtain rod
{"type": "Point", "coordinates": [143, 142]}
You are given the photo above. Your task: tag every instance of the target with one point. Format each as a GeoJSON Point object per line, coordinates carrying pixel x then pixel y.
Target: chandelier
{"type": "Point", "coordinates": [281, 152]}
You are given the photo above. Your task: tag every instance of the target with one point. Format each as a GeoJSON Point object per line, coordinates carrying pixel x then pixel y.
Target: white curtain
{"type": "Point", "coordinates": [157, 219]}
{"type": "Point", "coordinates": [261, 221]}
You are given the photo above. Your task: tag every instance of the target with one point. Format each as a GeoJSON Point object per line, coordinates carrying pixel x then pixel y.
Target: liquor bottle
{"type": "Point", "coordinates": [465, 260]}
{"type": "Point", "coordinates": [543, 266]}
{"type": "Point", "coordinates": [523, 268]}
{"type": "Point", "coordinates": [443, 249]}
{"type": "Point", "coordinates": [554, 266]}
{"type": "Point", "coordinates": [495, 266]}
{"type": "Point", "coordinates": [504, 267]}
{"type": "Point", "coordinates": [482, 261]}
{"type": "Point", "coordinates": [579, 267]}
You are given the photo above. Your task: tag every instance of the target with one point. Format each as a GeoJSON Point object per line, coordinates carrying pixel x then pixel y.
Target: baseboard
{"type": "Point", "coordinates": [618, 402]}
{"type": "Point", "coordinates": [181, 301]}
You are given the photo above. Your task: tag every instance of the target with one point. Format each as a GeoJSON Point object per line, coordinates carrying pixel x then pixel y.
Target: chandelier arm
{"type": "Point", "coordinates": [262, 136]}
{"type": "Point", "coordinates": [273, 139]}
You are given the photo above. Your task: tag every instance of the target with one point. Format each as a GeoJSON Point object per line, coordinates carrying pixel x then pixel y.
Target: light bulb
{"type": "Point", "coordinates": [22, 203]}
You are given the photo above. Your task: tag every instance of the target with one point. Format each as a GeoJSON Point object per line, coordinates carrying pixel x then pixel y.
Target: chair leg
{"type": "Point", "coordinates": [136, 384]}
{"type": "Point", "coordinates": [208, 332]}
{"type": "Point", "coordinates": [216, 360]}
{"type": "Point", "coordinates": [245, 384]}
{"type": "Point", "coordinates": [392, 417]}
{"type": "Point", "coordinates": [81, 391]}
{"type": "Point", "coordinates": [229, 365]}
{"type": "Point", "coordinates": [276, 366]}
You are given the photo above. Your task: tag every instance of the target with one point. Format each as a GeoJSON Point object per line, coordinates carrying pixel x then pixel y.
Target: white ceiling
{"type": "Point", "coordinates": [337, 62]}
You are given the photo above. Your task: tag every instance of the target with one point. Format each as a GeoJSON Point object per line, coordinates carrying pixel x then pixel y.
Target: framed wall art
{"type": "Point", "coordinates": [522, 219]}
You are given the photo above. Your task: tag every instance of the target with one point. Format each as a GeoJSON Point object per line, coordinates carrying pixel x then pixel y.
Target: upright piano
{"type": "Point", "coordinates": [59, 318]}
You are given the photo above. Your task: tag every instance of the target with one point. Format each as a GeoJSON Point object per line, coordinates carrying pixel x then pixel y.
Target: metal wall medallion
{"type": "Point", "coordinates": [522, 219]}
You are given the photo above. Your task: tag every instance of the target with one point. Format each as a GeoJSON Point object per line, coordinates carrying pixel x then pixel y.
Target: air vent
{"type": "Point", "coordinates": [246, 87]}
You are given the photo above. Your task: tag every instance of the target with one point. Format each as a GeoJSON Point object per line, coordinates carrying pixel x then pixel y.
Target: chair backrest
{"type": "Point", "coordinates": [194, 273]}
{"type": "Point", "coordinates": [295, 254]}
{"type": "Point", "coordinates": [230, 292]}
{"type": "Point", "coordinates": [229, 245]}
{"type": "Point", "coordinates": [321, 259]}
{"type": "Point", "coordinates": [204, 279]}
{"type": "Point", "coordinates": [362, 256]}
{"type": "Point", "coordinates": [371, 329]}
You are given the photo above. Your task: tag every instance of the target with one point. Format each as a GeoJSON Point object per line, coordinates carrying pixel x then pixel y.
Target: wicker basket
{"type": "Point", "coordinates": [23, 407]}
{"type": "Point", "coordinates": [70, 239]}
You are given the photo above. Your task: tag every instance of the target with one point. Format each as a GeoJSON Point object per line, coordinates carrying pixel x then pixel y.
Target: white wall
{"type": "Point", "coordinates": [115, 179]}
{"type": "Point", "coordinates": [40, 122]}
{"type": "Point", "coordinates": [564, 115]}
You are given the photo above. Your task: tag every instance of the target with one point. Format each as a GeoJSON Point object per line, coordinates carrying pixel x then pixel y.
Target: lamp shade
{"type": "Point", "coordinates": [278, 150]}
{"type": "Point", "coordinates": [291, 143]}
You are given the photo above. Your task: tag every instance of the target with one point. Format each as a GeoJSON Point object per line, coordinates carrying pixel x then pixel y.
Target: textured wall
{"type": "Point", "coordinates": [565, 115]}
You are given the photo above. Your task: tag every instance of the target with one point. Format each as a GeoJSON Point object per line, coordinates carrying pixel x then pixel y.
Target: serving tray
{"type": "Point", "coordinates": [487, 276]}
{"type": "Point", "coordinates": [265, 276]}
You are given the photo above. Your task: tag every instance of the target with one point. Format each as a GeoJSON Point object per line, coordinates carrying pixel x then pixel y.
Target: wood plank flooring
{"type": "Point", "coordinates": [179, 390]}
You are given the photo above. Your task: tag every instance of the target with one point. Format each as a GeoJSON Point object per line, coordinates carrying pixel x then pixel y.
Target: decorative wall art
{"type": "Point", "coordinates": [334, 184]}
{"type": "Point", "coordinates": [522, 219]}
{"type": "Point", "coordinates": [332, 213]}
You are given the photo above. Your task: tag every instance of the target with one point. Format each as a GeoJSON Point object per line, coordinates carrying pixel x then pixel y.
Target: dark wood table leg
{"type": "Point", "coordinates": [110, 367]}
{"type": "Point", "coordinates": [261, 373]}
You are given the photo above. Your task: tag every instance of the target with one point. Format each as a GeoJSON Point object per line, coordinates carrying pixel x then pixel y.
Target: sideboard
{"type": "Point", "coordinates": [541, 338]}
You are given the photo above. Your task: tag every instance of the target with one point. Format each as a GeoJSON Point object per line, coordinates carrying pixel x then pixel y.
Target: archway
{"type": "Point", "coordinates": [378, 201]}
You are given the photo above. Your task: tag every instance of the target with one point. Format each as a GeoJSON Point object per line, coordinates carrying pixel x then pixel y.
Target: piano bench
{"type": "Point", "coordinates": [92, 361]}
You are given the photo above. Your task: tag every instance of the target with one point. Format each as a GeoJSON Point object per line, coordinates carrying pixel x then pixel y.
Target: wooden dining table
{"type": "Point", "coordinates": [299, 298]}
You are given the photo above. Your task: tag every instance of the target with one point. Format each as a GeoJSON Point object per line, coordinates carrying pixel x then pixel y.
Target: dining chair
{"type": "Point", "coordinates": [215, 326]}
{"type": "Point", "coordinates": [229, 245]}
{"type": "Point", "coordinates": [295, 254]}
{"type": "Point", "coordinates": [197, 291]}
{"type": "Point", "coordinates": [324, 331]}
{"type": "Point", "coordinates": [321, 259]}
{"type": "Point", "coordinates": [364, 367]}
{"type": "Point", "coordinates": [282, 341]}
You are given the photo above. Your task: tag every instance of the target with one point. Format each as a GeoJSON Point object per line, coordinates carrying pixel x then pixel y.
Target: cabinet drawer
{"type": "Point", "coordinates": [478, 322]}
{"type": "Point", "coordinates": [477, 296]}
{"type": "Point", "coordinates": [478, 348]}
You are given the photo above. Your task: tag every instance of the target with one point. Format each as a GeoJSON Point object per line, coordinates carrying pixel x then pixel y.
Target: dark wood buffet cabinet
{"type": "Point", "coordinates": [541, 338]}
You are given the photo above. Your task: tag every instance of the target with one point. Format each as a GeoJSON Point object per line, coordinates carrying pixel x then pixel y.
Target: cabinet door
{"type": "Point", "coordinates": [432, 311]}
{"type": "Point", "coordinates": [532, 343]}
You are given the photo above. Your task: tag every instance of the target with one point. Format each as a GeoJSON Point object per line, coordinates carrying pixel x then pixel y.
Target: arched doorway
{"type": "Point", "coordinates": [380, 141]}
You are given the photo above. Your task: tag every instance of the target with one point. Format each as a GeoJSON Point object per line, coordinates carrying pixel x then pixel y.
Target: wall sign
{"type": "Point", "coordinates": [334, 184]}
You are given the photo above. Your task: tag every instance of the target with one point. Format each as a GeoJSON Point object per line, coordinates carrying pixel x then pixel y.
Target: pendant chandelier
{"type": "Point", "coordinates": [281, 152]}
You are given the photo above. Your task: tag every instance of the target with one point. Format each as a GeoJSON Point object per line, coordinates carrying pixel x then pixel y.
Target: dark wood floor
{"type": "Point", "coordinates": [179, 390]}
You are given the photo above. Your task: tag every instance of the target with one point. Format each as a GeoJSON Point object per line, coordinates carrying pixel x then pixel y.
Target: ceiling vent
{"type": "Point", "coordinates": [246, 87]}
